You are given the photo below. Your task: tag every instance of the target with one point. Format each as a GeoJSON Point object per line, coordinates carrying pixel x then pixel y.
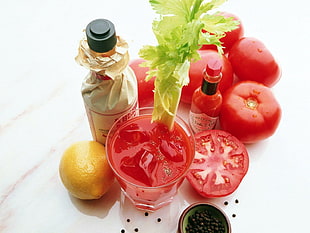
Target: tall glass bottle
{"type": "Point", "coordinates": [110, 89]}
{"type": "Point", "coordinates": [207, 99]}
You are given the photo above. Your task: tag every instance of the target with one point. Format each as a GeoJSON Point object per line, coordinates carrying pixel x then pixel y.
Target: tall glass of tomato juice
{"type": "Point", "coordinates": [149, 160]}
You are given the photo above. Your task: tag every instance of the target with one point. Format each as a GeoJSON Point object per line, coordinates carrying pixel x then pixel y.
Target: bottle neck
{"type": "Point", "coordinates": [210, 84]}
{"type": "Point", "coordinates": [208, 88]}
{"type": "Point", "coordinates": [105, 54]}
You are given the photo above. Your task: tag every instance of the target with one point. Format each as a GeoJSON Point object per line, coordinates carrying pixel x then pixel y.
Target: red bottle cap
{"type": "Point", "coordinates": [214, 67]}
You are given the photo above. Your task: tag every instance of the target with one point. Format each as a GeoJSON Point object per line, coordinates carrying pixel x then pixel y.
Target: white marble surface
{"type": "Point", "coordinates": [42, 113]}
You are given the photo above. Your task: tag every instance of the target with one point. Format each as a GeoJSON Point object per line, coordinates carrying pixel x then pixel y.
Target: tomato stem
{"type": "Point", "coordinates": [251, 103]}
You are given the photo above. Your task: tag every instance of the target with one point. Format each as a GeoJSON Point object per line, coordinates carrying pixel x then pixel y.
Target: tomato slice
{"type": "Point", "coordinates": [221, 161]}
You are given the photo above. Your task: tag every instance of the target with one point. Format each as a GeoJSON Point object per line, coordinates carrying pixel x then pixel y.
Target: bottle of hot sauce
{"type": "Point", "coordinates": [110, 89]}
{"type": "Point", "coordinates": [207, 99]}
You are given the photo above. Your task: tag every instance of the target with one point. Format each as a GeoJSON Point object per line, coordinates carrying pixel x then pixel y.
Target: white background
{"type": "Point", "coordinates": [42, 113]}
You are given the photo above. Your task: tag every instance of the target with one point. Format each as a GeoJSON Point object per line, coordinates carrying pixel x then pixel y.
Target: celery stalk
{"type": "Point", "coordinates": [178, 31]}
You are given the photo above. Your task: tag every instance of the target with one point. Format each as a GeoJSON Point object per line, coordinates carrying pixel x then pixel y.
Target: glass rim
{"type": "Point", "coordinates": [173, 181]}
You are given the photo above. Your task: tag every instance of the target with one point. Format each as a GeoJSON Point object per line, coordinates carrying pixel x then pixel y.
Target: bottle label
{"type": "Point", "coordinates": [201, 121]}
{"type": "Point", "coordinates": [101, 123]}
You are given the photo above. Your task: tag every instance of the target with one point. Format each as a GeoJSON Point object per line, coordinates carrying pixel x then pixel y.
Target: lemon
{"type": "Point", "coordinates": [84, 170]}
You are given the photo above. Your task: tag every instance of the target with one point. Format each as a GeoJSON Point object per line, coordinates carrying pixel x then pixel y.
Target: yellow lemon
{"type": "Point", "coordinates": [84, 170]}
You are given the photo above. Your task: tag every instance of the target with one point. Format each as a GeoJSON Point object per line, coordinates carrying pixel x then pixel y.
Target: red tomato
{"type": "Point", "coordinates": [196, 74]}
{"type": "Point", "coordinates": [250, 112]}
{"type": "Point", "coordinates": [230, 37]}
{"type": "Point", "coordinates": [145, 88]}
{"type": "Point", "coordinates": [251, 60]}
{"type": "Point", "coordinates": [221, 161]}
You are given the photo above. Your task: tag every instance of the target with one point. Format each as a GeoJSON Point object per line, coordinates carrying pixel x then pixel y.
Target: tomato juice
{"type": "Point", "coordinates": [149, 160]}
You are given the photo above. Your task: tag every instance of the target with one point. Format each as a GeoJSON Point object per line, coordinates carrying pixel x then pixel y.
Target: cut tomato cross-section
{"type": "Point", "coordinates": [221, 161]}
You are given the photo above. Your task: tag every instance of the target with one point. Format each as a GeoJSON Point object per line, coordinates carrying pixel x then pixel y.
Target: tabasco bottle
{"type": "Point", "coordinates": [207, 99]}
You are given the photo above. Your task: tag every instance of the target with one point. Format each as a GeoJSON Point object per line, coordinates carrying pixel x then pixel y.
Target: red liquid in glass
{"type": "Point", "coordinates": [148, 154]}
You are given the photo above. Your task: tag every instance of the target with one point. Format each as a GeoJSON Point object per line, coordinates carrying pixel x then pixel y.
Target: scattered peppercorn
{"type": "Point", "coordinates": [159, 220]}
{"type": "Point", "coordinates": [236, 201]}
{"type": "Point", "coordinates": [146, 214]}
{"type": "Point", "coordinates": [128, 220]}
{"type": "Point", "coordinates": [226, 203]}
{"type": "Point", "coordinates": [234, 215]}
{"type": "Point", "coordinates": [202, 221]}
{"type": "Point", "coordinates": [136, 229]}
{"type": "Point", "coordinates": [122, 231]}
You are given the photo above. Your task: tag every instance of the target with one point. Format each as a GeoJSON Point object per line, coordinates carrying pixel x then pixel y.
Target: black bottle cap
{"type": "Point", "coordinates": [101, 35]}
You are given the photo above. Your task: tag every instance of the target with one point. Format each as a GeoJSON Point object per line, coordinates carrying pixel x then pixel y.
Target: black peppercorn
{"type": "Point", "coordinates": [202, 221]}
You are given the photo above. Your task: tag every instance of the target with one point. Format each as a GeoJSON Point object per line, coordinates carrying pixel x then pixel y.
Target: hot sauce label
{"type": "Point", "coordinates": [201, 121]}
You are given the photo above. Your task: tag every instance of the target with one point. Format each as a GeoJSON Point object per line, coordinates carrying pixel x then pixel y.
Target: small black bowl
{"type": "Point", "coordinates": [211, 209]}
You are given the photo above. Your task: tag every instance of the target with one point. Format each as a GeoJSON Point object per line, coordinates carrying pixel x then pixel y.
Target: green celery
{"type": "Point", "coordinates": [178, 31]}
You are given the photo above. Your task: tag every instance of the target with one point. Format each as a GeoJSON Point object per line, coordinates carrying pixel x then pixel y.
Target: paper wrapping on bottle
{"type": "Point", "coordinates": [111, 66]}
{"type": "Point", "coordinates": [107, 100]}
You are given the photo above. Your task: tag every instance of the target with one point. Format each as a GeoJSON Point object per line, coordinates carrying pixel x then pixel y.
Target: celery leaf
{"type": "Point", "coordinates": [178, 31]}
